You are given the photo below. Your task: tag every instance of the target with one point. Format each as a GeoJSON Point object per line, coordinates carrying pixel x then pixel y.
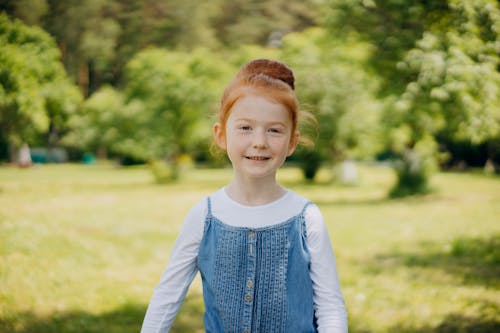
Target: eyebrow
{"type": "Point", "coordinates": [253, 121]}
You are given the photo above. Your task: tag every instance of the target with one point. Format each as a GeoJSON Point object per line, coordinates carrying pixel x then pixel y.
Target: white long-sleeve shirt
{"type": "Point", "coordinates": [169, 294]}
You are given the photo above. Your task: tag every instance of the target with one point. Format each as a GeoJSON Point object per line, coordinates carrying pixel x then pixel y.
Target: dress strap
{"type": "Point", "coordinates": [303, 219]}
{"type": "Point", "coordinates": [208, 217]}
{"type": "Point", "coordinates": [303, 212]}
{"type": "Point", "coordinates": [209, 207]}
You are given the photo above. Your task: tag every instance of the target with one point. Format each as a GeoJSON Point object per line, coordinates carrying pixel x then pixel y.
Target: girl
{"type": "Point", "coordinates": [263, 251]}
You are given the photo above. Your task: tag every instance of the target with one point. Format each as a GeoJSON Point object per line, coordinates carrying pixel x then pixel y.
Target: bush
{"type": "Point", "coordinates": [310, 162]}
{"type": "Point", "coordinates": [413, 172]}
{"type": "Point", "coordinates": [163, 172]}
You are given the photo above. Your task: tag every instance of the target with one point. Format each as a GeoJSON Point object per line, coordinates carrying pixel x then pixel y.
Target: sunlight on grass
{"type": "Point", "coordinates": [82, 247]}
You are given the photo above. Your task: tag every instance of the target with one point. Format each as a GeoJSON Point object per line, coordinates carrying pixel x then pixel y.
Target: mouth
{"type": "Point", "coordinates": [257, 158]}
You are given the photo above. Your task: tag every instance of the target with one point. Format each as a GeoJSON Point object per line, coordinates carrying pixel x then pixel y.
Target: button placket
{"type": "Point", "coordinates": [250, 278]}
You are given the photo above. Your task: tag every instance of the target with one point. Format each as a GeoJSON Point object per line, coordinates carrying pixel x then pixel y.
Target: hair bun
{"type": "Point", "coordinates": [272, 68]}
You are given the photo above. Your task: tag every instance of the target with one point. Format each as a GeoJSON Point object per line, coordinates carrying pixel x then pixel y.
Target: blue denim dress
{"type": "Point", "coordinates": [256, 280]}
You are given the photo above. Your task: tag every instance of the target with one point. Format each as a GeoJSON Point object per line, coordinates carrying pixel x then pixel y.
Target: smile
{"type": "Point", "coordinates": [257, 158]}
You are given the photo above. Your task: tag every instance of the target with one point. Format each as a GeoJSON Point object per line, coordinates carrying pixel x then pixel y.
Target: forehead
{"type": "Point", "coordinates": [259, 108]}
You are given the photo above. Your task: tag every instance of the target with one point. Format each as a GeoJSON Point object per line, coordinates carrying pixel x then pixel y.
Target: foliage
{"type": "Point", "coordinates": [88, 34]}
{"type": "Point", "coordinates": [104, 123]}
{"type": "Point", "coordinates": [163, 111]}
{"type": "Point", "coordinates": [333, 85]}
{"type": "Point", "coordinates": [439, 61]}
{"type": "Point", "coordinates": [262, 22]}
{"type": "Point", "coordinates": [456, 89]}
{"type": "Point", "coordinates": [99, 37]}
{"type": "Point", "coordinates": [392, 74]}
{"type": "Point", "coordinates": [35, 93]}
{"type": "Point", "coordinates": [414, 169]}
{"type": "Point", "coordinates": [178, 91]}
{"type": "Point", "coordinates": [392, 27]}
{"type": "Point", "coordinates": [29, 11]}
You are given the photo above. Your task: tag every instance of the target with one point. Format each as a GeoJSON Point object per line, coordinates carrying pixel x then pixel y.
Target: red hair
{"type": "Point", "coordinates": [268, 78]}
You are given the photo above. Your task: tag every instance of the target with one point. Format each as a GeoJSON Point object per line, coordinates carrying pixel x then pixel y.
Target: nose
{"type": "Point", "coordinates": [259, 139]}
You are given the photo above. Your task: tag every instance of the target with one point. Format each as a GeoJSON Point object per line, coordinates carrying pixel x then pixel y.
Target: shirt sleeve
{"type": "Point", "coordinates": [329, 303]}
{"type": "Point", "coordinates": [171, 291]}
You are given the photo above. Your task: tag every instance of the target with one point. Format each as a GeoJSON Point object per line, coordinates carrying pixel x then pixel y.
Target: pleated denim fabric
{"type": "Point", "coordinates": [256, 280]}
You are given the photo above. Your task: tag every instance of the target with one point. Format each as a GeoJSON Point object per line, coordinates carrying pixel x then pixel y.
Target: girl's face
{"type": "Point", "coordinates": [258, 136]}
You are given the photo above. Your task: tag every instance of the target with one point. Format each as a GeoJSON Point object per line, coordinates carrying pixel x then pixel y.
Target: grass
{"type": "Point", "coordinates": [82, 247]}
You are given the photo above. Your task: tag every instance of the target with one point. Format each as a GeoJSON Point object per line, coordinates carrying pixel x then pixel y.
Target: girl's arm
{"type": "Point", "coordinates": [329, 304]}
{"type": "Point", "coordinates": [169, 294]}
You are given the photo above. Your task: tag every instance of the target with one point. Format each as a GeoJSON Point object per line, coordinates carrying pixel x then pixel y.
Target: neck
{"type": "Point", "coordinates": [254, 192]}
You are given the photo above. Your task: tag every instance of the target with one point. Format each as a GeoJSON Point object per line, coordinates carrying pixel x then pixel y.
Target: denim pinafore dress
{"type": "Point", "coordinates": [256, 280]}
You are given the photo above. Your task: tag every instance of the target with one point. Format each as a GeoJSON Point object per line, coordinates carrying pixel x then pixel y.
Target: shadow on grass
{"type": "Point", "coordinates": [475, 260]}
{"type": "Point", "coordinates": [454, 323]}
{"type": "Point", "coordinates": [377, 199]}
{"type": "Point", "coordinates": [126, 319]}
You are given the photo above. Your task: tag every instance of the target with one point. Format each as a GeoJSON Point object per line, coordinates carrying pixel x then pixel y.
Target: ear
{"type": "Point", "coordinates": [294, 141]}
{"type": "Point", "coordinates": [219, 135]}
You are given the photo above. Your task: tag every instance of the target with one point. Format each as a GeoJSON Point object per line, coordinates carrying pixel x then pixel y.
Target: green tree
{"type": "Point", "coordinates": [164, 109]}
{"type": "Point", "coordinates": [455, 90]}
{"type": "Point", "coordinates": [439, 61]}
{"type": "Point", "coordinates": [178, 90]}
{"type": "Point", "coordinates": [98, 38]}
{"type": "Point", "coordinates": [332, 83]}
{"type": "Point", "coordinates": [87, 33]}
{"type": "Point", "coordinates": [104, 124]}
{"type": "Point", "coordinates": [35, 94]}
{"type": "Point", "coordinates": [262, 22]}
{"type": "Point", "coordinates": [29, 11]}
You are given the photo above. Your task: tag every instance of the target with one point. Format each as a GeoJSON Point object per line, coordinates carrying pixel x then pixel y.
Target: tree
{"type": "Point", "coordinates": [332, 83]}
{"type": "Point", "coordinates": [35, 93]}
{"type": "Point", "coordinates": [439, 61]}
{"type": "Point", "coordinates": [87, 33]}
{"type": "Point", "coordinates": [97, 38]}
{"type": "Point", "coordinates": [178, 91]}
{"type": "Point", "coordinates": [455, 90]}
{"type": "Point", "coordinates": [104, 124]}
{"type": "Point", "coordinates": [262, 22]}
{"type": "Point", "coordinates": [29, 11]}
{"type": "Point", "coordinates": [162, 112]}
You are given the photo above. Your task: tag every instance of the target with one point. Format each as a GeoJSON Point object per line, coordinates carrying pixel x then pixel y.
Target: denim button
{"type": "Point", "coordinates": [246, 331]}
{"type": "Point", "coordinates": [248, 297]}
{"type": "Point", "coordinates": [251, 234]}
{"type": "Point", "coordinates": [249, 284]}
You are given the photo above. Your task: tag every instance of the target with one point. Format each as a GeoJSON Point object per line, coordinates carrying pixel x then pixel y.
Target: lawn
{"type": "Point", "coordinates": [82, 247]}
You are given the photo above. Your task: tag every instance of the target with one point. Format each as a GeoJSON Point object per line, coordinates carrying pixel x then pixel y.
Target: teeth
{"type": "Point", "coordinates": [257, 158]}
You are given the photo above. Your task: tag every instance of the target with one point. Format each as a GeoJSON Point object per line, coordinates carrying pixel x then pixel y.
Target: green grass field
{"type": "Point", "coordinates": [82, 247]}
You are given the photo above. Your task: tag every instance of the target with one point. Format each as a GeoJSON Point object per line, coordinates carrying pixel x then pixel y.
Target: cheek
{"type": "Point", "coordinates": [280, 143]}
{"type": "Point", "coordinates": [234, 141]}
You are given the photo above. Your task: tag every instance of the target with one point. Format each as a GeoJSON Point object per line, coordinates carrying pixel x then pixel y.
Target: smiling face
{"type": "Point", "coordinates": [257, 137]}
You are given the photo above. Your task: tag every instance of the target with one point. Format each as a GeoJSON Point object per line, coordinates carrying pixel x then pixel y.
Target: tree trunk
{"type": "Point", "coordinates": [12, 151]}
{"type": "Point", "coordinates": [83, 78]}
{"type": "Point", "coordinates": [412, 175]}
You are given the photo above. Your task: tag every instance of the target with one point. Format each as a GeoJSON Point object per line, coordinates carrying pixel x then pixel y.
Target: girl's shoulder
{"type": "Point", "coordinates": [309, 207]}
{"type": "Point", "coordinates": [310, 210]}
{"type": "Point", "coordinates": [198, 210]}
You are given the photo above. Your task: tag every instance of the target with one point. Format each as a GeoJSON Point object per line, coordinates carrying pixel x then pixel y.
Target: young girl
{"type": "Point", "coordinates": [263, 251]}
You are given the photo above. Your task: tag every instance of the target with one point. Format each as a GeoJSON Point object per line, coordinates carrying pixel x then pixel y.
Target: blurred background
{"type": "Point", "coordinates": [102, 100]}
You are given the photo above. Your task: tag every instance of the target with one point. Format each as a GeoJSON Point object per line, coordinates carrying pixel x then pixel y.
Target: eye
{"type": "Point", "coordinates": [245, 127]}
{"type": "Point", "coordinates": [275, 130]}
